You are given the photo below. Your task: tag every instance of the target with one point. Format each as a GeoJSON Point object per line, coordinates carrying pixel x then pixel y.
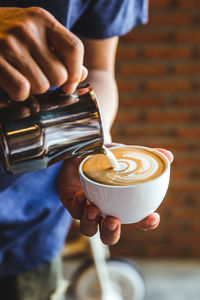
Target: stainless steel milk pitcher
{"type": "Point", "coordinates": [61, 126]}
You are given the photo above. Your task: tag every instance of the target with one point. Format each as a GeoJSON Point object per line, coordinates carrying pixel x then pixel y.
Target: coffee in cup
{"type": "Point", "coordinates": [135, 166]}
{"type": "Point", "coordinates": [134, 189]}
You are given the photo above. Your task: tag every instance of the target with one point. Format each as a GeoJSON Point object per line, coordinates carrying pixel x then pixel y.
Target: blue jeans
{"type": "Point", "coordinates": [43, 283]}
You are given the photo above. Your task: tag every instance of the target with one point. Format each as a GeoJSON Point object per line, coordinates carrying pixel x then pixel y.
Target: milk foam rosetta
{"type": "Point", "coordinates": [135, 165]}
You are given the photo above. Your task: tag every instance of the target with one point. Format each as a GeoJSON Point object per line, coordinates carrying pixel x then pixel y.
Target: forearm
{"type": "Point", "coordinates": [104, 85]}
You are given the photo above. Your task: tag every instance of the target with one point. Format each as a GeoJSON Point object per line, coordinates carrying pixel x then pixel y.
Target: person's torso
{"type": "Point", "coordinates": [33, 222]}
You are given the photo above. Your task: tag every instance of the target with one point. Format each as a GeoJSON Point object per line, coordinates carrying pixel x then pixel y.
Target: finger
{"type": "Point", "coordinates": [78, 205]}
{"type": "Point", "coordinates": [32, 104]}
{"type": "Point", "coordinates": [149, 223]}
{"type": "Point", "coordinates": [14, 111]}
{"type": "Point", "coordinates": [69, 49]}
{"type": "Point", "coordinates": [110, 229]}
{"type": "Point", "coordinates": [84, 73]}
{"type": "Point", "coordinates": [13, 82]}
{"type": "Point", "coordinates": [18, 56]}
{"type": "Point", "coordinates": [48, 61]}
{"type": "Point", "coordinates": [89, 220]}
{"type": "Point", "coordinates": [33, 34]}
{"type": "Point", "coordinates": [83, 77]}
{"type": "Point", "coordinates": [167, 153]}
{"type": "Point", "coordinates": [69, 182]}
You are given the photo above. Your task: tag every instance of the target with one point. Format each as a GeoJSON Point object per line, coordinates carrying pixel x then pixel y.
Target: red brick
{"type": "Point", "coordinates": [194, 4]}
{"type": "Point", "coordinates": [169, 251]}
{"type": "Point", "coordinates": [198, 84]}
{"type": "Point", "coordinates": [185, 239]}
{"type": "Point", "coordinates": [180, 147]}
{"type": "Point", "coordinates": [173, 201]}
{"type": "Point", "coordinates": [171, 225]}
{"type": "Point", "coordinates": [196, 116]}
{"type": "Point", "coordinates": [149, 238]}
{"type": "Point", "coordinates": [172, 145]}
{"type": "Point", "coordinates": [196, 147]}
{"type": "Point", "coordinates": [187, 68]}
{"type": "Point", "coordinates": [187, 161]}
{"type": "Point", "coordinates": [185, 186]}
{"type": "Point", "coordinates": [185, 213]}
{"type": "Point", "coordinates": [167, 52]}
{"type": "Point", "coordinates": [160, 4]}
{"type": "Point", "coordinates": [155, 251]}
{"type": "Point", "coordinates": [124, 117]}
{"type": "Point", "coordinates": [196, 225]}
{"type": "Point", "coordinates": [164, 112]}
{"type": "Point", "coordinates": [148, 101]}
{"type": "Point", "coordinates": [142, 69]}
{"type": "Point", "coordinates": [146, 36]}
{"type": "Point", "coordinates": [189, 101]}
{"type": "Point", "coordinates": [147, 131]}
{"type": "Point", "coordinates": [168, 116]}
{"type": "Point", "coordinates": [179, 174]}
{"type": "Point", "coordinates": [188, 36]}
{"type": "Point", "coordinates": [193, 132]}
{"type": "Point", "coordinates": [125, 85]}
{"type": "Point", "coordinates": [168, 85]}
{"type": "Point", "coordinates": [126, 53]}
{"type": "Point", "coordinates": [195, 251]}
{"type": "Point", "coordinates": [197, 53]}
{"type": "Point", "coordinates": [171, 18]}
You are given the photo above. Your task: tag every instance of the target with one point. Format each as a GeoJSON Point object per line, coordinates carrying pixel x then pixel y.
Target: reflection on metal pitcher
{"type": "Point", "coordinates": [47, 128]}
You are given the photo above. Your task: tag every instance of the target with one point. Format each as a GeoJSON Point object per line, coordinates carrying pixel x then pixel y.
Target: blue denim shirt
{"type": "Point", "coordinates": [33, 222]}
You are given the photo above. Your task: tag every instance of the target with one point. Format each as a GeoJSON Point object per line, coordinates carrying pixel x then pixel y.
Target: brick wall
{"type": "Point", "coordinates": [158, 73]}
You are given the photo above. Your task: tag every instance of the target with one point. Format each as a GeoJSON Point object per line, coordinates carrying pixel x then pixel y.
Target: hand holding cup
{"type": "Point", "coordinates": [135, 190]}
{"type": "Point", "coordinates": [74, 199]}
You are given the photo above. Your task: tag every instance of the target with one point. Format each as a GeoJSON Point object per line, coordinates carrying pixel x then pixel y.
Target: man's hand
{"type": "Point", "coordinates": [73, 198]}
{"type": "Point", "coordinates": [37, 52]}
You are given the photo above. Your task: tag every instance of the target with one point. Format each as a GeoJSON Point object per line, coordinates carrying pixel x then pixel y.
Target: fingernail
{"type": "Point", "coordinates": [84, 73]}
{"type": "Point", "coordinates": [70, 88]}
{"type": "Point", "coordinates": [91, 215]}
{"type": "Point", "coordinates": [153, 222]}
{"type": "Point", "coordinates": [111, 226]}
{"type": "Point", "coordinates": [80, 198]}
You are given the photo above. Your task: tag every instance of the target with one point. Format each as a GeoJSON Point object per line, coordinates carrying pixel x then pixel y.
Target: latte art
{"type": "Point", "coordinates": [135, 165]}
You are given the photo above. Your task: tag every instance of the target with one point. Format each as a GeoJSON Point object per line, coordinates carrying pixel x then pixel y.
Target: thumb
{"type": "Point", "coordinates": [167, 153]}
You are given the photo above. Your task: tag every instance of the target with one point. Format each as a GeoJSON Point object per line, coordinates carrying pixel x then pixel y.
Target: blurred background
{"type": "Point", "coordinates": [158, 74]}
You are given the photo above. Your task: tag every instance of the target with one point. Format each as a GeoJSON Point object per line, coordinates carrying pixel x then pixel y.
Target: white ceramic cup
{"type": "Point", "coordinates": [130, 203]}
